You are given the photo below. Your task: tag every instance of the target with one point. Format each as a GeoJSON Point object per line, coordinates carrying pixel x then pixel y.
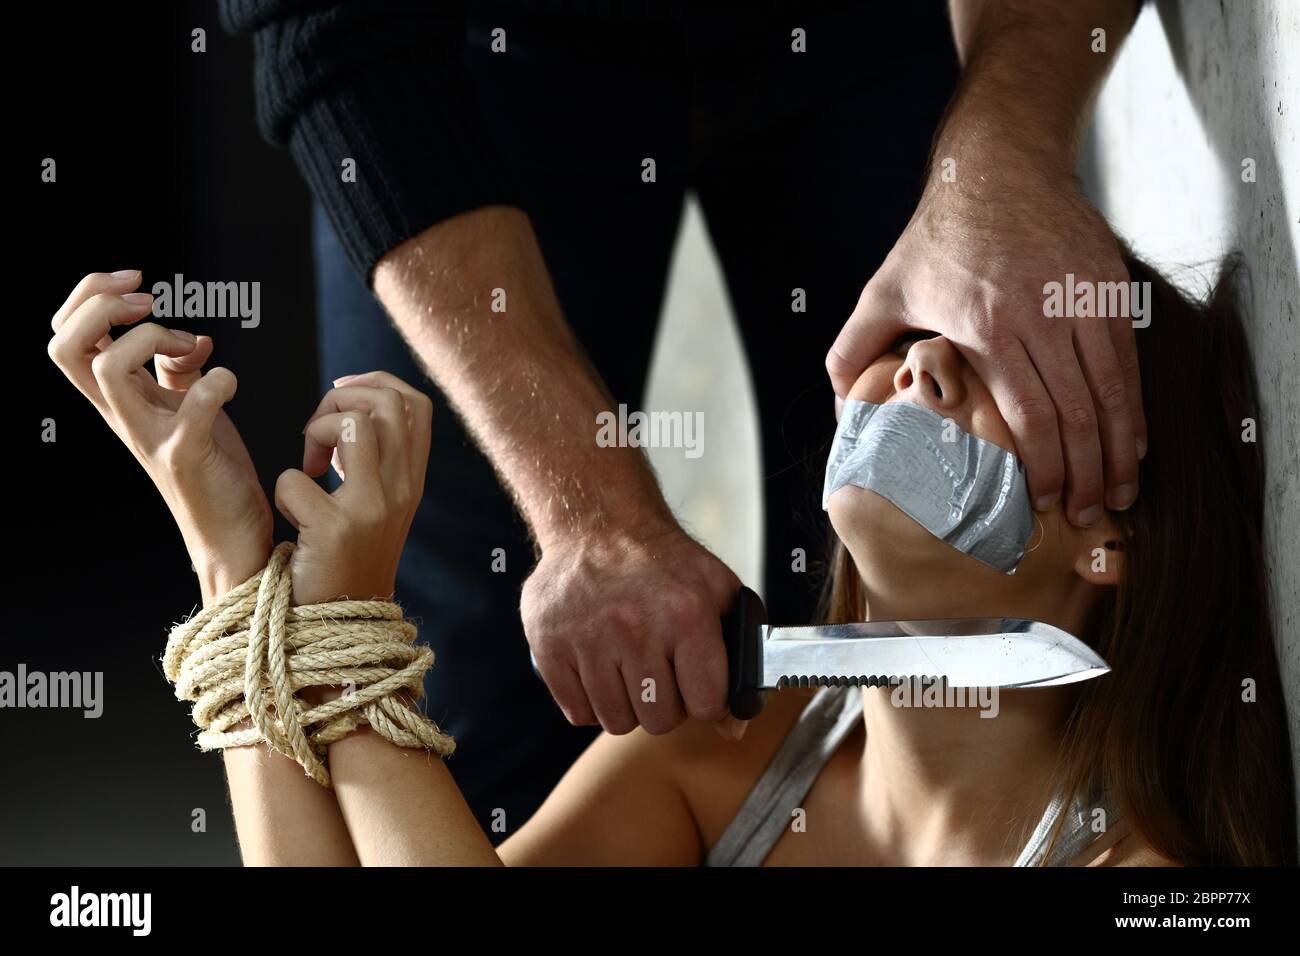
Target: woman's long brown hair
{"type": "Point", "coordinates": [1187, 733]}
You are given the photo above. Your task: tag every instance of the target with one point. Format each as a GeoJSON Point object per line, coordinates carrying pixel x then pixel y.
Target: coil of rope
{"type": "Point", "coordinates": [243, 659]}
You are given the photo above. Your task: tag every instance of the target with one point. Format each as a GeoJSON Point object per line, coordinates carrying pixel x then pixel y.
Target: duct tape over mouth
{"type": "Point", "coordinates": [967, 492]}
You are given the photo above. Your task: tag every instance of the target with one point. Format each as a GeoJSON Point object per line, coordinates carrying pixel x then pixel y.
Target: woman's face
{"type": "Point", "coordinates": [908, 572]}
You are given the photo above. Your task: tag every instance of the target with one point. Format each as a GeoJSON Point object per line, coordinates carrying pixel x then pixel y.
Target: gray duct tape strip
{"type": "Point", "coordinates": [967, 492]}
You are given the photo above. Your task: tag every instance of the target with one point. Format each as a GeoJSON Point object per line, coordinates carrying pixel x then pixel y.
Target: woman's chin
{"type": "Point", "coordinates": [906, 571]}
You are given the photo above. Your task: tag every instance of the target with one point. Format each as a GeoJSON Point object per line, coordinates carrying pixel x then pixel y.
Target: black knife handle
{"type": "Point", "coordinates": [742, 632]}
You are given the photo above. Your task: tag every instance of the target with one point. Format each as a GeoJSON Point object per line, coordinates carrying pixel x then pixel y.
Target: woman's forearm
{"type": "Point", "coordinates": [402, 807]}
{"type": "Point", "coordinates": [282, 816]}
{"type": "Point", "coordinates": [390, 806]}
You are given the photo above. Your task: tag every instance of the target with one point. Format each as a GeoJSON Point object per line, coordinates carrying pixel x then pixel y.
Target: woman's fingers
{"type": "Point", "coordinates": [75, 343]}
{"type": "Point", "coordinates": [387, 410]}
{"type": "Point", "coordinates": [116, 283]}
{"type": "Point", "coordinates": [420, 416]}
{"type": "Point", "coordinates": [179, 372]}
{"type": "Point", "coordinates": [353, 435]}
{"type": "Point", "coordinates": [203, 401]}
{"type": "Point", "coordinates": [301, 500]}
{"type": "Point", "coordinates": [120, 372]}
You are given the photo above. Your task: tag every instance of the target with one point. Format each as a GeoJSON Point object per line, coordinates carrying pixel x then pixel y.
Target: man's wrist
{"type": "Point", "coordinates": [620, 500]}
{"type": "Point", "coordinates": [1029, 75]}
{"type": "Point", "coordinates": [613, 540]}
{"type": "Point", "coordinates": [981, 153]}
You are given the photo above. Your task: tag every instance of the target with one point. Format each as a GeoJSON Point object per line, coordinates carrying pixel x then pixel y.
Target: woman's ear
{"type": "Point", "coordinates": [1100, 559]}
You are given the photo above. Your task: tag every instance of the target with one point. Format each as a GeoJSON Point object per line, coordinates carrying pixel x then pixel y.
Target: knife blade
{"type": "Point", "coordinates": [964, 652]}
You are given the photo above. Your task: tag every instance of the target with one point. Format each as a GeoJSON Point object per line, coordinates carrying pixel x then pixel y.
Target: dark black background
{"type": "Point", "coordinates": [160, 168]}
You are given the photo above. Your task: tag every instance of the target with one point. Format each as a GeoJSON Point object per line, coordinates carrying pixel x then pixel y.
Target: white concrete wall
{"type": "Point", "coordinates": [1200, 87]}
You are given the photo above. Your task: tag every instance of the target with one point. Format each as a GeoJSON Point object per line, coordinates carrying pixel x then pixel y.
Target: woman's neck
{"type": "Point", "coordinates": [945, 785]}
{"type": "Point", "coordinates": [942, 785]}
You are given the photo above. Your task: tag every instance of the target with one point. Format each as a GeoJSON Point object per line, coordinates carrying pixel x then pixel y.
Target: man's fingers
{"type": "Point", "coordinates": [1058, 367]}
{"type": "Point", "coordinates": [608, 695]}
{"type": "Point", "coordinates": [699, 656]}
{"type": "Point", "coordinates": [875, 323]}
{"type": "Point", "coordinates": [1124, 338]}
{"type": "Point", "coordinates": [700, 663]}
{"type": "Point", "coordinates": [117, 283]}
{"type": "Point", "coordinates": [1024, 402]}
{"type": "Point", "coordinates": [653, 692]}
{"type": "Point", "coordinates": [353, 435]}
{"type": "Point", "coordinates": [1105, 379]}
{"type": "Point", "coordinates": [731, 728]}
{"type": "Point", "coordinates": [301, 500]}
{"type": "Point", "coordinates": [75, 342]}
{"type": "Point", "coordinates": [178, 372]}
{"type": "Point", "coordinates": [566, 687]}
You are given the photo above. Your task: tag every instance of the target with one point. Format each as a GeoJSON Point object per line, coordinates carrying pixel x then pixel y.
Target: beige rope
{"type": "Point", "coordinates": [245, 657]}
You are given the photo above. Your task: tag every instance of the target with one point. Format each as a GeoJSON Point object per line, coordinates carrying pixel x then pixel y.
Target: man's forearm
{"type": "Point", "coordinates": [515, 375]}
{"type": "Point", "coordinates": [1030, 72]}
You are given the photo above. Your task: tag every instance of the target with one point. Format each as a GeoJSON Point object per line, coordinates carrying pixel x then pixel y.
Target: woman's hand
{"type": "Point", "coordinates": [375, 427]}
{"type": "Point", "coordinates": [174, 425]}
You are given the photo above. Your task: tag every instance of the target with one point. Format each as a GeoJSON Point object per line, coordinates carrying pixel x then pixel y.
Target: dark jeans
{"type": "Point", "coordinates": [807, 167]}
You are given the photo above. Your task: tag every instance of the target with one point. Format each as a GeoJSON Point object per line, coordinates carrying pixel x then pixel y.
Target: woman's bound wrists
{"type": "Point", "coordinates": [216, 580]}
{"type": "Point", "coordinates": [319, 694]}
{"type": "Point", "coordinates": [220, 570]}
{"type": "Point", "coordinates": [363, 658]}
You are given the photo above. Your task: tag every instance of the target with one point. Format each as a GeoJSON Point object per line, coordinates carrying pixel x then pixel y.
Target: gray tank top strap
{"type": "Point", "coordinates": [766, 812]}
{"type": "Point", "coordinates": [822, 726]}
{"type": "Point", "coordinates": [1076, 833]}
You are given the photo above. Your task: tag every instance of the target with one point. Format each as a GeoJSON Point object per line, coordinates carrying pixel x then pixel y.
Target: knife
{"type": "Point", "coordinates": [966, 652]}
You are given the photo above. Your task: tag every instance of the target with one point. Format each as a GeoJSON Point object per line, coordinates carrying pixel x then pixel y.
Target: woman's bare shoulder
{"type": "Point", "coordinates": [715, 774]}
{"type": "Point", "coordinates": [690, 782]}
{"type": "Point", "coordinates": [1134, 851]}
{"type": "Point", "coordinates": [699, 741]}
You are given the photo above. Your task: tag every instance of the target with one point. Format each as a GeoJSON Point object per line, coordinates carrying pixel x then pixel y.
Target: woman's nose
{"type": "Point", "coordinates": [931, 374]}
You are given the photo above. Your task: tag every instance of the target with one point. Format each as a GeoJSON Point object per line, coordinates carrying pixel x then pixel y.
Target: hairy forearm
{"type": "Point", "coordinates": [517, 377]}
{"type": "Point", "coordinates": [1030, 74]}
